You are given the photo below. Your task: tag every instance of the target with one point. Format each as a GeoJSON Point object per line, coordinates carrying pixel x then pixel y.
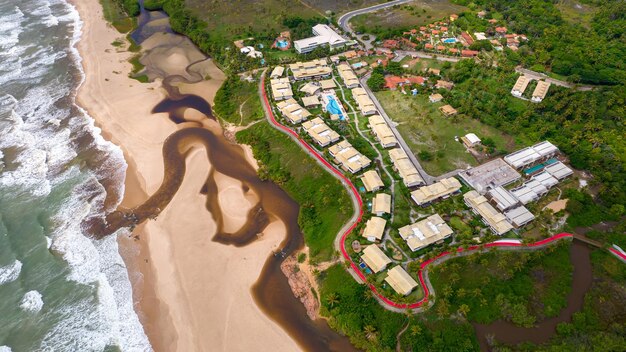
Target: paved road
{"type": "Point", "coordinates": [557, 82]}
{"type": "Point", "coordinates": [344, 20]}
{"type": "Point", "coordinates": [427, 178]}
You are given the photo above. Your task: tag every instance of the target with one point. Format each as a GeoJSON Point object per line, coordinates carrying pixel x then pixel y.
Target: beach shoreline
{"type": "Point", "coordinates": [190, 293]}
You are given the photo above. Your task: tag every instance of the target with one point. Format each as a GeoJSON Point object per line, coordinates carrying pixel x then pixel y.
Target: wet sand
{"type": "Point", "coordinates": [191, 293]}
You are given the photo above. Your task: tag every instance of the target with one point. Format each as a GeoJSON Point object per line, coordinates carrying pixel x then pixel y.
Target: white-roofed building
{"type": "Point", "coordinates": [530, 191]}
{"type": "Point", "coordinates": [519, 216]}
{"type": "Point", "coordinates": [375, 258]}
{"type": "Point", "coordinates": [502, 198]}
{"type": "Point", "coordinates": [381, 204]}
{"type": "Point", "coordinates": [470, 140]}
{"type": "Point", "coordinates": [490, 174]}
{"type": "Point", "coordinates": [349, 158]}
{"type": "Point", "coordinates": [545, 179]}
{"type": "Point", "coordinates": [559, 170]}
{"type": "Point", "coordinates": [425, 232]}
{"type": "Point", "coordinates": [496, 221]}
{"type": "Point", "coordinates": [324, 35]}
{"type": "Point", "coordinates": [530, 155]}
{"type": "Point", "coordinates": [374, 229]}
{"type": "Point", "coordinates": [400, 280]}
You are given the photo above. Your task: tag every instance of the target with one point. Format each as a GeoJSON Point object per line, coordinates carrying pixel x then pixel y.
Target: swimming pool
{"type": "Point", "coordinates": [333, 107]}
{"type": "Point", "coordinates": [357, 65]}
{"type": "Point", "coordinates": [282, 44]}
{"type": "Point", "coordinates": [449, 40]}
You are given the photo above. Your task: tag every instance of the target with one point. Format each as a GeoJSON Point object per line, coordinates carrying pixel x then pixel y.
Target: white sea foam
{"type": "Point", "coordinates": [32, 301]}
{"type": "Point", "coordinates": [11, 272]}
{"type": "Point", "coordinates": [5, 349]}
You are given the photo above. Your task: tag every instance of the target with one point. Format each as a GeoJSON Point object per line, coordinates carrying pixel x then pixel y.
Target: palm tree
{"type": "Point", "coordinates": [370, 332]}
{"type": "Point", "coordinates": [332, 299]}
{"type": "Point", "coordinates": [416, 330]}
{"type": "Point", "coordinates": [464, 309]}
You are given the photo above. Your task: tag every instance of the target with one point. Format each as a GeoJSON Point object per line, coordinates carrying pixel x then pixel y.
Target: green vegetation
{"type": "Point", "coordinates": [324, 204]}
{"type": "Point", "coordinates": [587, 126]}
{"type": "Point", "coordinates": [430, 135]}
{"type": "Point", "coordinates": [137, 67]}
{"type": "Point", "coordinates": [237, 101]}
{"type": "Point", "coordinates": [120, 13]}
{"type": "Point", "coordinates": [397, 19]}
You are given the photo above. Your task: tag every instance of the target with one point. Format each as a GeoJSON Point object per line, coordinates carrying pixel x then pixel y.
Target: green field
{"type": "Point", "coordinates": [238, 102]}
{"type": "Point", "coordinates": [576, 12]}
{"type": "Point", "coordinates": [407, 16]}
{"type": "Point", "coordinates": [324, 204]}
{"type": "Point", "coordinates": [115, 15]}
{"type": "Point", "coordinates": [424, 128]}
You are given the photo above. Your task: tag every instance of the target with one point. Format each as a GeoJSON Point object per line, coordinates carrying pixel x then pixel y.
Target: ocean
{"type": "Point", "coordinates": [59, 289]}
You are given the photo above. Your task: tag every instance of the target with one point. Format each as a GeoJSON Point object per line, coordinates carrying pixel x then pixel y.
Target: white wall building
{"type": "Point", "coordinates": [324, 35]}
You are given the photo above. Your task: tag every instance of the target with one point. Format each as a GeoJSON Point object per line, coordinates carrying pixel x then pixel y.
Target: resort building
{"type": "Point", "coordinates": [292, 111]}
{"type": "Point", "coordinates": [281, 89]}
{"type": "Point", "coordinates": [310, 101]}
{"type": "Point", "coordinates": [470, 140]}
{"type": "Point", "coordinates": [520, 86]}
{"type": "Point", "coordinates": [374, 229]}
{"type": "Point", "coordinates": [559, 170]}
{"type": "Point", "coordinates": [489, 175]}
{"type": "Point", "coordinates": [381, 204]}
{"type": "Point", "coordinates": [310, 88]}
{"type": "Point", "coordinates": [375, 259]}
{"type": "Point", "coordinates": [363, 100]}
{"type": "Point", "coordinates": [320, 132]}
{"type": "Point", "coordinates": [496, 221]}
{"type": "Point", "coordinates": [277, 72]}
{"type": "Point", "coordinates": [382, 132]}
{"type": "Point", "coordinates": [447, 110]}
{"type": "Point", "coordinates": [545, 179]}
{"type": "Point", "coordinates": [540, 91]}
{"type": "Point", "coordinates": [425, 232]}
{"type": "Point", "coordinates": [519, 216]}
{"type": "Point", "coordinates": [347, 75]}
{"type": "Point", "coordinates": [502, 198]}
{"type": "Point", "coordinates": [324, 36]}
{"type": "Point", "coordinates": [311, 69]}
{"type": "Point", "coordinates": [444, 85]}
{"type": "Point", "coordinates": [372, 181]}
{"type": "Point", "coordinates": [349, 158]}
{"type": "Point", "coordinates": [531, 155]}
{"type": "Point", "coordinates": [400, 280]}
{"type": "Point", "coordinates": [438, 190]}
{"type": "Point", "coordinates": [530, 191]}
{"type": "Point", "coordinates": [405, 168]}
{"type": "Point", "coordinates": [328, 84]}
{"type": "Point", "coordinates": [435, 98]}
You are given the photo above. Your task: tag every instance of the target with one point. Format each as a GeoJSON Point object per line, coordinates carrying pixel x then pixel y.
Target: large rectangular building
{"type": "Point", "coordinates": [531, 155]}
{"type": "Point", "coordinates": [405, 168]}
{"type": "Point", "coordinates": [502, 198]}
{"type": "Point", "coordinates": [496, 221]}
{"type": "Point", "coordinates": [530, 191]}
{"type": "Point", "coordinates": [281, 89]}
{"type": "Point", "coordinates": [381, 204]}
{"type": "Point", "coordinates": [559, 170]}
{"type": "Point", "coordinates": [320, 132]}
{"type": "Point", "coordinates": [374, 229]}
{"type": "Point", "coordinates": [372, 181]}
{"type": "Point", "coordinates": [400, 280]}
{"type": "Point", "coordinates": [375, 258]}
{"type": "Point", "coordinates": [490, 175]}
{"type": "Point", "coordinates": [520, 86]}
{"type": "Point", "coordinates": [364, 102]}
{"type": "Point", "coordinates": [311, 69]}
{"type": "Point", "coordinates": [519, 216]}
{"type": "Point", "coordinates": [438, 190]}
{"type": "Point", "coordinates": [347, 75]}
{"type": "Point", "coordinates": [323, 36]}
{"type": "Point", "coordinates": [540, 91]}
{"type": "Point", "coordinates": [382, 132]}
{"type": "Point", "coordinates": [349, 158]}
{"type": "Point", "coordinates": [425, 232]}
{"type": "Point", "coordinates": [292, 111]}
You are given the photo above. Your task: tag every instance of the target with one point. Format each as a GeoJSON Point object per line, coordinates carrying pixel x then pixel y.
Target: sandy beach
{"type": "Point", "coordinates": [191, 294]}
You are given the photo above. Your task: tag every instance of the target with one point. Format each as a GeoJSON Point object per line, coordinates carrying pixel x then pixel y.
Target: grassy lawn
{"type": "Point", "coordinates": [115, 15]}
{"type": "Point", "coordinates": [424, 128]}
{"type": "Point", "coordinates": [324, 204]}
{"type": "Point", "coordinates": [405, 16]}
{"type": "Point", "coordinates": [238, 101]}
{"type": "Point", "coordinates": [576, 12]}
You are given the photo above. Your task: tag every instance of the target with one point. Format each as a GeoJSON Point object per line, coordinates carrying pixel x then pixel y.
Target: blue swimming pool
{"type": "Point", "coordinates": [282, 44]}
{"type": "Point", "coordinates": [333, 107]}
{"type": "Point", "coordinates": [357, 65]}
{"type": "Point", "coordinates": [449, 40]}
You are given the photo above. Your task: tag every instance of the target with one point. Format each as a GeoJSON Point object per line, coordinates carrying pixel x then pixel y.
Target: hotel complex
{"type": "Point", "coordinates": [324, 35]}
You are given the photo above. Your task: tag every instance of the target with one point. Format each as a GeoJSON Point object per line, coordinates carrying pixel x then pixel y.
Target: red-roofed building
{"type": "Point", "coordinates": [493, 21]}
{"type": "Point", "coordinates": [467, 38]}
{"type": "Point", "coordinates": [390, 44]}
{"type": "Point", "coordinates": [444, 29]}
{"type": "Point", "coordinates": [428, 46]}
{"type": "Point", "coordinates": [422, 28]}
{"type": "Point", "coordinates": [392, 82]}
{"type": "Point", "coordinates": [453, 17]}
{"type": "Point", "coordinates": [441, 48]}
{"type": "Point", "coordinates": [501, 30]}
{"type": "Point", "coordinates": [435, 32]}
{"type": "Point", "coordinates": [416, 80]}
{"type": "Point", "coordinates": [453, 50]}
{"type": "Point", "coordinates": [432, 25]}
{"type": "Point", "coordinates": [408, 43]}
{"type": "Point", "coordinates": [413, 31]}
{"type": "Point", "coordinates": [469, 53]}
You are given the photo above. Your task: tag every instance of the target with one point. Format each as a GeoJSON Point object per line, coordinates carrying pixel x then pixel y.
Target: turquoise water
{"type": "Point", "coordinates": [449, 40]}
{"type": "Point", "coordinates": [540, 166]}
{"type": "Point", "coordinates": [282, 44]}
{"type": "Point", "coordinates": [357, 65]}
{"type": "Point", "coordinates": [59, 290]}
{"type": "Point", "coordinates": [333, 107]}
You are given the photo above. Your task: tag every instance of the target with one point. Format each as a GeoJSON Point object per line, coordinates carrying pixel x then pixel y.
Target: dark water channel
{"type": "Point", "coordinates": [508, 333]}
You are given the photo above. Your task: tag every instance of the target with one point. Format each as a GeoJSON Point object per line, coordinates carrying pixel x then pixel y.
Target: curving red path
{"type": "Point", "coordinates": [357, 196]}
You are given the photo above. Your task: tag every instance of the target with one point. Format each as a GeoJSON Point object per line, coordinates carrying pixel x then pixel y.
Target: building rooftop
{"type": "Point", "coordinates": [489, 175]}
{"type": "Point", "coordinates": [540, 90]}
{"type": "Point", "coordinates": [365, 103]}
{"type": "Point", "coordinates": [504, 199]}
{"type": "Point", "coordinates": [310, 69]}
{"type": "Point", "coordinates": [328, 84]}
{"type": "Point", "coordinates": [347, 75]}
{"type": "Point", "coordinates": [530, 155]}
{"type": "Point", "coordinates": [382, 131]}
{"type": "Point", "coordinates": [435, 97]}
{"type": "Point", "coordinates": [323, 35]}
{"type": "Point", "coordinates": [441, 189]}
{"type": "Point", "coordinates": [374, 228]}
{"type": "Point", "coordinates": [496, 220]}
{"type": "Point", "coordinates": [519, 216]}
{"type": "Point", "coordinates": [293, 111]}
{"type": "Point", "coordinates": [348, 157]}
{"type": "Point", "coordinates": [529, 191]}
{"type": "Point", "coordinates": [425, 232]}
{"type": "Point", "coordinates": [381, 203]}
{"type": "Point", "coordinates": [520, 85]}
{"type": "Point", "coordinates": [310, 88]}
{"type": "Point", "coordinates": [281, 88]}
{"type": "Point", "coordinates": [277, 72]}
{"type": "Point", "coordinates": [320, 132]}
{"type": "Point", "coordinates": [409, 174]}
{"type": "Point", "coordinates": [372, 181]}
{"type": "Point", "coordinates": [559, 170]}
{"type": "Point", "coordinates": [447, 110]}
{"type": "Point", "coordinates": [400, 280]}
{"type": "Point", "coordinates": [310, 101]}
{"type": "Point", "coordinates": [545, 179]}
{"type": "Point", "coordinates": [375, 259]}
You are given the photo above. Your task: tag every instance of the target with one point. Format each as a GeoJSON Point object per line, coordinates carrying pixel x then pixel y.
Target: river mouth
{"type": "Point", "coordinates": [510, 334]}
{"type": "Point", "coordinates": [180, 65]}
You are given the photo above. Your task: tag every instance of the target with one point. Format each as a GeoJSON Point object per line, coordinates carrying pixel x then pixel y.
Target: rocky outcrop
{"type": "Point", "coordinates": [301, 285]}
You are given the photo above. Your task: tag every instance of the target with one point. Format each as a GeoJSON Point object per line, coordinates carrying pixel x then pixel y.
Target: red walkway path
{"type": "Point", "coordinates": [356, 194]}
